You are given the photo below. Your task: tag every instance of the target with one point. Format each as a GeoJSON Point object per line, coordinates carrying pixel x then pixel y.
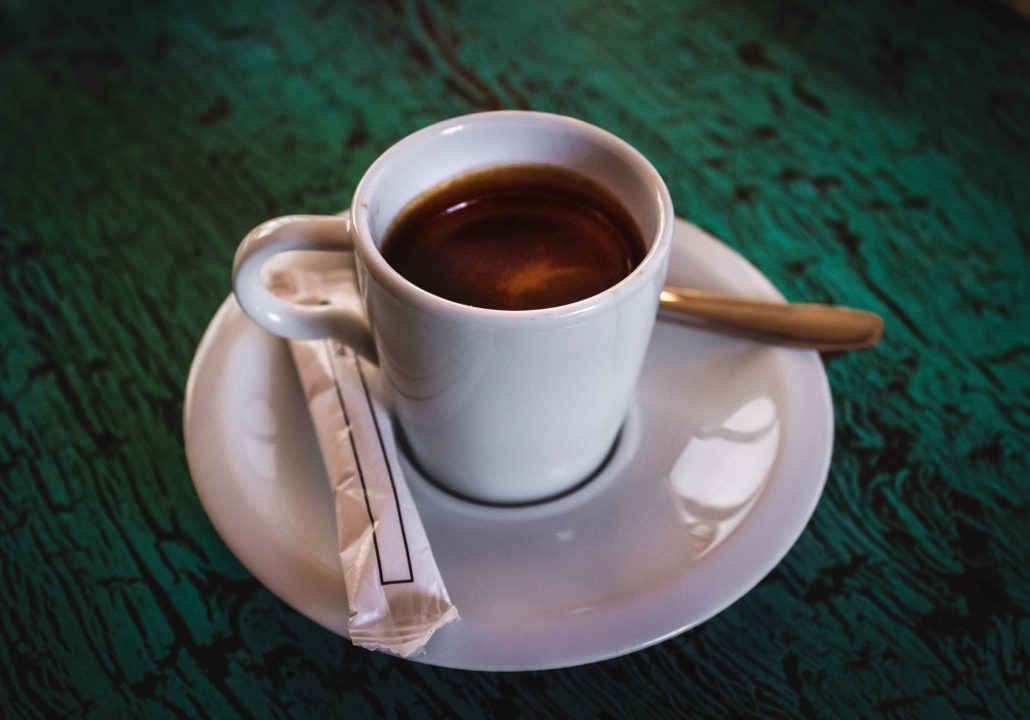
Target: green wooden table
{"type": "Point", "coordinates": [875, 154]}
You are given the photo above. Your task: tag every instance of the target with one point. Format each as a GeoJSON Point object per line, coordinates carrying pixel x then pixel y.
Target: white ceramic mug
{"type": "Point", "coordinates": [498, 406]}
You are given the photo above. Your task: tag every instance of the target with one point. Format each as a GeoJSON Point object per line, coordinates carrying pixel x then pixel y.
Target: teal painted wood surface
{"type": "Point", "coordinates": [870, 153]}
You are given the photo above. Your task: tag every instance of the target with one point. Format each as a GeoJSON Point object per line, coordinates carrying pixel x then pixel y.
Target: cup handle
{"type": "Point", "coordinates": [295, 322]}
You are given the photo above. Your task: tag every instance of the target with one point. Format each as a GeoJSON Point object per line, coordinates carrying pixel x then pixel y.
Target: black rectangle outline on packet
{"type": "Point", "coordinates": [361, 474]}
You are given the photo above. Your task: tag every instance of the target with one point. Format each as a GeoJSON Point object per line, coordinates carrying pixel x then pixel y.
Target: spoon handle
{"type": "Point", "coordinates": [801, 325]}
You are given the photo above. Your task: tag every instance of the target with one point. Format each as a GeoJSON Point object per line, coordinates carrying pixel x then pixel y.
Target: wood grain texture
{"type": "Point", "coordinates": [870, 153]}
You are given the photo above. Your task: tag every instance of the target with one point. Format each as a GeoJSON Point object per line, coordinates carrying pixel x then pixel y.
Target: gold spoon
{"type": "Point", "coordinates": [800, 325]}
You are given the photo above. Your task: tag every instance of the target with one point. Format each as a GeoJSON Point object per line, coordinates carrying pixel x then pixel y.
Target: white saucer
{"type": "Point", "coordinates": [721, 463]}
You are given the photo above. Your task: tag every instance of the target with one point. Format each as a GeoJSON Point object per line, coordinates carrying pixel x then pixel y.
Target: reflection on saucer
{"type": "Point", "coordinates": [723, 469]}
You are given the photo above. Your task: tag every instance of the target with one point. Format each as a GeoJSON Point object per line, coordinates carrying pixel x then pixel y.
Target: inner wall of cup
{"type": "Point", "coordinates": [425, 160]}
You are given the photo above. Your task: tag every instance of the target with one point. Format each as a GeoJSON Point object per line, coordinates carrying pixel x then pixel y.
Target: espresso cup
{"type": "Point", "coordinates": [497, 406]}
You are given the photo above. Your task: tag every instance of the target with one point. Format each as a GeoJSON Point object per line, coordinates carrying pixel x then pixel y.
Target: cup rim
{"type": "Point", "coordinates": [406, 290]}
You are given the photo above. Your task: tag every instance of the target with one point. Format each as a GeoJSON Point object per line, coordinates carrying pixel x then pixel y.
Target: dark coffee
{"type": "Point", "coordinates": [515, 237]}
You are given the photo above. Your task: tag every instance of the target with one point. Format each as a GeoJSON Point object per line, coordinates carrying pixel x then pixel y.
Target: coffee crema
{"type": "Point", "coordinates": [515, 237]}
